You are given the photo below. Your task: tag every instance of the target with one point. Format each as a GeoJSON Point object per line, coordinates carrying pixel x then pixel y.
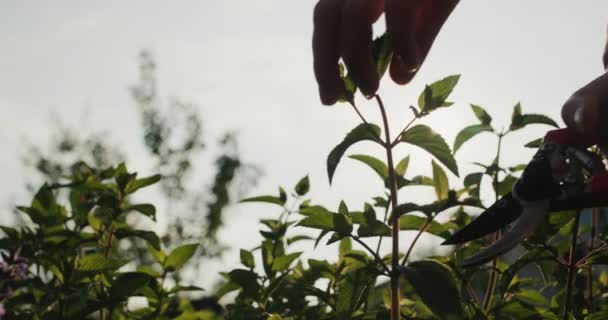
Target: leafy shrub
{"type": "Point", "coordinates": [68, 263]}
{"type": "Point", "coordinates": [549, 277]}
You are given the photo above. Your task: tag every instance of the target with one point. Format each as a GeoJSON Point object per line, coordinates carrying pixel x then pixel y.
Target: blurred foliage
{"type": "Point", "coordinates": [67, 261]}
{"type": "Point", "coordinates": [173, 138]}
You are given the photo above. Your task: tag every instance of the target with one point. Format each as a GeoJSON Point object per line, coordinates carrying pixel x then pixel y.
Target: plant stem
{"type": "Point", "coordinates": [395, 299]}
{"type": "Point", "coordinates": [487, 299]}
{"type": "Point", "coordinates": [352, 103]}
{"type": "Point", "coordinates": [407, 126]}
{"type": "Point", "coordinates": [420, 232]}
{"type": "Point", "coordinates": [376, 256]}
{"type": "Point", "coordinates": [571, 265]}
{"type": "Point", "coordinates": [590, 269]}
{"type": "Point", "coordinates": [384, 220]}
{"type": "Point", "coordinates": [109, 241]}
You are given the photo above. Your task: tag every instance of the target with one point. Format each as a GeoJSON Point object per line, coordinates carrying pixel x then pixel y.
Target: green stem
{"type": "Point", "coordinates": [571, 265]}
{"type": "Point", "coordinates": [420, 232]}
{"type": "Point", "coordinates": [407, 126]}
{"type": "Point", "coordinates": [395, 299]}
{"type": "Point", "coordinates": [590, 268]}
{"type": "Point", "coordinates": [491, 287]}
{"type": "Point", "coordinates": [371, 251]}
{"type": "Point", "coordinates": [388, 205]}
{"type": "Point", "coordinates": [352, 103]}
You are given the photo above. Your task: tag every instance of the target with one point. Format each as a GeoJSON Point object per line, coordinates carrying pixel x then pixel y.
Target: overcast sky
{"type": "Point", "coordinates": [248, 66]}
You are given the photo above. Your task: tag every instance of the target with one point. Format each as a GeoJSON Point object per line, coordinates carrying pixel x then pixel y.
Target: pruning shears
{"type": "Point", "coordinates": [579, 167]}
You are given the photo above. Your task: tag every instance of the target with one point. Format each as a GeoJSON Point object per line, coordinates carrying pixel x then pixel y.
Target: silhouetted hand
{"type": "Point", "coordinates": [587, 109]}
{"type": "Point", "coordinates": [343, 29]}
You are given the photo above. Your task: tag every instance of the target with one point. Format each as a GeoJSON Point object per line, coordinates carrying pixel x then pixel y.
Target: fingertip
{"type": "Point", "coordinates": [400, 72]}
{"type": "Point", "coordinates": [328, 98]}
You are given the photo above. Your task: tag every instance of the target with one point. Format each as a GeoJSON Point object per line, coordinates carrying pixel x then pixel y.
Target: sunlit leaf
{"type": "Point", "coordinates": [401, 167]}
{"type": "Point", "coordinates": [469, 132]}
{"type": "Point", "coordinates": [302, 186]}
{"type": "Point", "coordinates": [360, 133]}
{"type": "Point", "coordinates": [247, 258]}
{"type": "Point", "coordinates": [374, 163]}
{"type": "Point", "coordinates": [381, 52]}
{"type": "Point", "coordinates": [283, 262]}
{"type": "Point", "coordinates": [179, 256]}
{"type": "Point", "coordinates": [435, 95]}
{"type": "Point", "coordinates": [268, 199]}
{"type": "Point", "coordinates": [481, 114]}
{"type": "Point", "coordinates": [425, 138]}
{"type": "Point", "coordinates": [441, 181]}
{"type": "Point", "coordinates": [137, 184]}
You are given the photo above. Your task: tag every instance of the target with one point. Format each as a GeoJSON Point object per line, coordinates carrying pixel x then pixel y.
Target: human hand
{"type": "Point", "coordinates": [587, 109]}
{"type": "Point", "coordinates": [343, 29]}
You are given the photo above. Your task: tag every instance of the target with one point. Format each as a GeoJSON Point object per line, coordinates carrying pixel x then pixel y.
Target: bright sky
{"type": "Point", "coordinates": [248, 65]}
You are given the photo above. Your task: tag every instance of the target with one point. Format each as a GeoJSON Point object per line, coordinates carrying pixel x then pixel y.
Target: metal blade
{"type": "Point", "coordinates": [531, 218]}
{"type": "Point", "coordinates": [499, 215]}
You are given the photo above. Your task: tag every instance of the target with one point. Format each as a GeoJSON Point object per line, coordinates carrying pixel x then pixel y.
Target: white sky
{"type": "Point", "coordinates": [248, 65]}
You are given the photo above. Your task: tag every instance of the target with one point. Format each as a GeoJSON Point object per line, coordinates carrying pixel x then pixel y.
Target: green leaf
{"type": "Point", "coordinates": [179, 256]}
{"type": "Point", "coordinates": [411, 222]}
{"type": "Point", "coordinates": [425, 138]}
{"type": "Point", "coordinates": [343, 208]}
{"type": "Point", "coordinates": [519, 120]}
{"type": "Point", "coordinates": [137, 184]}
{"type": "Point", "coordinates": [345, 297]}
{"type": "Point", "coordinates": [303, 186]}
{"type": "Point", "coordinates": [247, 259]}
{"type": "Point", "coordinates": [245, 279]}
{"type": "Point", "coordinates": [150, 237]}
{"type": "Point", "coordinates": [506, 185]}
{"type": "Point", "coordinates": [516, 118]}
{"type": "Point", "coordinates": [481, 114]}
{"type": "Point", "coordinates": [323, 220]}
{"type": "Point", "coordinates": [99, 262]}
{"type": "Point", "coordinates": [534, 144]}
{"type": "Point", "coordinates": [282, 195]}
{"type": "Point", "coordinates": [360, 133]}
{"type": "Point", "coordinates": [343, 224]}
{"type": "Point", "coordinates": [469, 132]}
{"type": "Point", "coordinates": [349, 85]}
{"type": "Point", "coordinates": [268, 256]}
{"type": "Point", "coordinates": [158, 255]}
{"type": "Point", "coordinates": [179, 288]}
{"type": "Point", "coordinates": [374, 229]}
{"type": "Point", "coordinates": [268, 199]}
{"type": "Point", "coordinates": [376, 164]}
{"type": "Point", "coordinates": [283, 262]}
{"type": "Point", "coordinates": [435, 95]}
{"type": "Point", "coordinates": [441, 182]}
{"type": "Point", "coordinates": [532, 118]}
{"type": "Point", "coordinates": [436, 285]}
{"type": "Point", "coordinates": [295, 239]}
{"type": "Point", "coordinates": [126, 284]}
{"type": "Point", "coordinates": [381, 52]}
{"type": "Point", "coordinates": [346, 245]}
{"type": "Point", "coordinates": [531, 297]}
{"type": "Point", "coordinates": [473, 182]}
{"type": "Point", "coordinates": [402, 166]}
{"type": "Point", "coordinates": [146, 209]}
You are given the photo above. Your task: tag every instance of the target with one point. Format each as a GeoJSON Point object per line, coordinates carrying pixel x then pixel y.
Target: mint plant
{"type": "Point", "coordinates": [67, 263]}
{"type": "Point", "coordinates": [535, 281]}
